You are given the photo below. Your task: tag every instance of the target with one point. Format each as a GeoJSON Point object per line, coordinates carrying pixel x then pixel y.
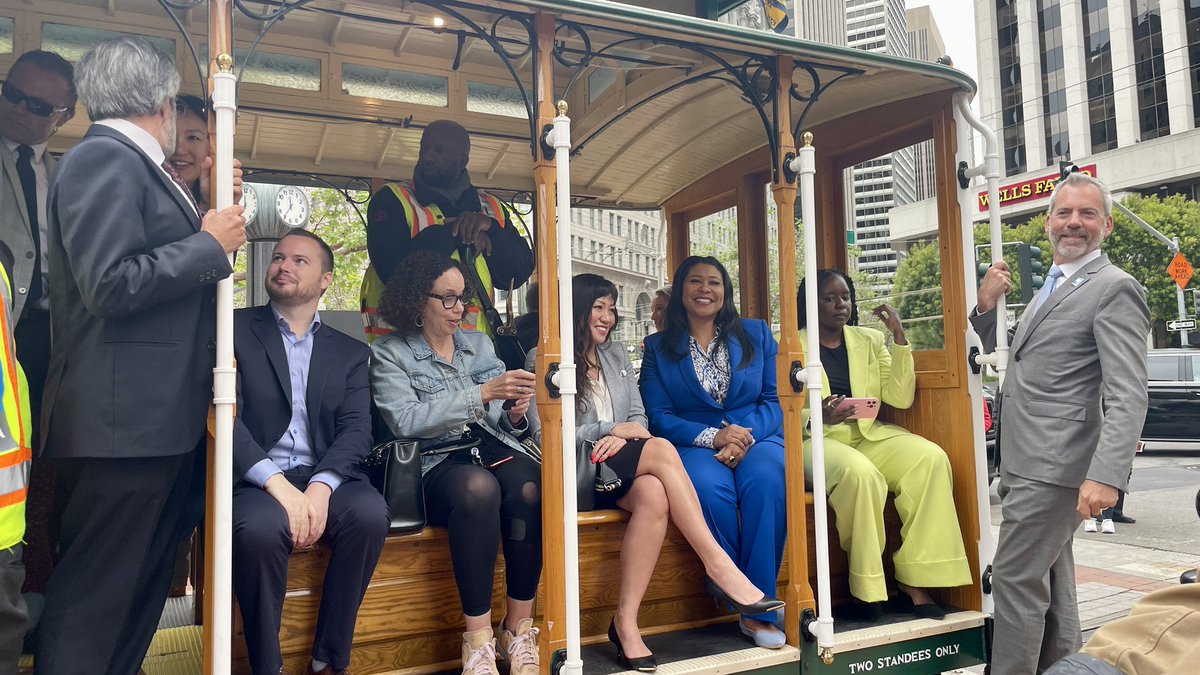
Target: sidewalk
{"type": "Point", "coordinates": [1110, 577]}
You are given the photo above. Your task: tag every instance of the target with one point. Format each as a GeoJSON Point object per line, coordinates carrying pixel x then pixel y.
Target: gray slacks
{"type": "Point", "coordinates": [1033, 577]}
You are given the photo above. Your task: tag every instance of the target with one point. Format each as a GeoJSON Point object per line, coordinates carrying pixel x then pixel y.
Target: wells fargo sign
{"type": "Point", "coordinates": [1034, 188]}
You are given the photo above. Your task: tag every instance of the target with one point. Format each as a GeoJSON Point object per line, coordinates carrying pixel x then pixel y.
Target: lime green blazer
{"type": "Point", "coordinates": [877, 371]}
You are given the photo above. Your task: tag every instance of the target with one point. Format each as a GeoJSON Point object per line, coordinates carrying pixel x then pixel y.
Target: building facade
{"type": "Point", "coordinates": [881, 184]}
{"type": "Point", "coordinates": [924, 43]}
{"type": "Point", "coordinates": [1110, 83]}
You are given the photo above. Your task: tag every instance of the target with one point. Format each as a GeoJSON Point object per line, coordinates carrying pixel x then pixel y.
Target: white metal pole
{"type": "Point", "coordinates": [560, 137]}
{"type": "Point", "coordinates": [987, 542]}
{"type": "Point", "coordinates": [224, 386]}
{"type": "Point", "coordinates": [990, 170]}
{"type": "Point", "coordinates": [1183, 333]}
{"type": "Point", "coordinates": [806, 158]}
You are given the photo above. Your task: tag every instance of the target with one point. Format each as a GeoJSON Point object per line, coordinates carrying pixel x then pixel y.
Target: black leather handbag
{"type": "Point", "coordinates": [394, 468]}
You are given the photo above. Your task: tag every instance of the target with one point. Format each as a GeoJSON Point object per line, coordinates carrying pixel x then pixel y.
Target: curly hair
{"type": "Point", "coordinates": [824, 275]}
{"type": "Point", "coordinates": [586, 289]}
{"type": "Point", "coordinates": [728, 323]}
{"type": "Point", "coordinates": [409, 286]}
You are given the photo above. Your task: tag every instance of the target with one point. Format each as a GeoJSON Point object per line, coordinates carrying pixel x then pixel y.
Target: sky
{"type": "Point", "coordinates": [956, 22]}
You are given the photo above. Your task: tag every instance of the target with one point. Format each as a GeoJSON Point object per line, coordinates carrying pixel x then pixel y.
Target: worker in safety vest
{"type": "Point", "coordinates": [15, 438]}
{"type": "Point", "coordinates": [440, 210]}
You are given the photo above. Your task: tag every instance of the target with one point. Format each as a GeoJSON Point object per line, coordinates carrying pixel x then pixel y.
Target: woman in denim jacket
{"type": "Point", "coordinates": [431, 379]}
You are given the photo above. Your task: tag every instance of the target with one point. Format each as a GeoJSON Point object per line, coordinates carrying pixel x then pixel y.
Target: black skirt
{"type": "Point", "coordinates": [624, 464]}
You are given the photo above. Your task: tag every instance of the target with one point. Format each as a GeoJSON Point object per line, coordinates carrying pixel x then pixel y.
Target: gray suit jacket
{"type": "Point", "coordinates": [1075, 396]}
{"type": "Point", "coordinates": [15, 230]}
{"type": "Point", "coordinates": [133, 300]}
{"type": "Point", "coordinates": [627, 407]}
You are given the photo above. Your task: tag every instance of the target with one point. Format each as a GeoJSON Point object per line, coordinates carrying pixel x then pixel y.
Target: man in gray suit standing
{"type": "Point", "coordinates": [1073, 406]}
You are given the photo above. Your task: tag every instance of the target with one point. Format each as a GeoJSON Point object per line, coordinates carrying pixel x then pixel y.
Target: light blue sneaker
{"type": "Point", "coordinates": [769, 638]}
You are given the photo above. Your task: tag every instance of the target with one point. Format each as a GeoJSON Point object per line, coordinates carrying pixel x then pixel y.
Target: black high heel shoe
{"type": "Point", "coordinates": [761, 607]}
{"type": "Point", "coordinates": [642, 664]}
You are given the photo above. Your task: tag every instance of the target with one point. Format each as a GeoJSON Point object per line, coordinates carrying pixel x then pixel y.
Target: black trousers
{"type": "Point", "coordinates": [120, 530]}
{"type": "Point", "coordinates": [13, 613]}
{"type": "Point", "coordinates": [262, 541]}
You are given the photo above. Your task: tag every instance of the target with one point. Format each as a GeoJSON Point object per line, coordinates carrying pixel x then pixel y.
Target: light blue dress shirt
{"type": "Point", "coordinates": [294, 448]}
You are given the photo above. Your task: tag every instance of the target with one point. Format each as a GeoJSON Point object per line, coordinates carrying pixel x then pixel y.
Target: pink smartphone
{"type": "Point", "coordinates": [865, 408]}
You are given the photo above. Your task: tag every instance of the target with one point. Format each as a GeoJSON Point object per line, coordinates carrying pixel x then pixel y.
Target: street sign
{"type": "Point", "coordinates": [1180, 270]}
{"type": "Point", "coordinates": [1182, 324]}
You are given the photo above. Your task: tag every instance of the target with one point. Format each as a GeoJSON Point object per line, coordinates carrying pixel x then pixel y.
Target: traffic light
{"type": "Point", "coordinates": [1065, 169]}
{"type": "Point", "coordinates": [1031, 268]}
{"type": "Point", "coordinates": [981, 269]}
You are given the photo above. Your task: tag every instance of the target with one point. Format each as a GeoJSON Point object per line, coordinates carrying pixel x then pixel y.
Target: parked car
{"type": "Point", "coordinates": [1174, 390]}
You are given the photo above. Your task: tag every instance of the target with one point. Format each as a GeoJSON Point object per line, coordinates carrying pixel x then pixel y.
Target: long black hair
{"type": "Point", "coordinates": [824, 275]}
{"type": "Point", "coordinates": [586, 290]}
{"type": "Point", "coordinates": [727, 321]}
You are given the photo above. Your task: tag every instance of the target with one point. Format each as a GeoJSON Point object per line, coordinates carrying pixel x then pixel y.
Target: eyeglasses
{"type": "Point", "coordinates": [450, 299]}
{"type": "Point", "coordinates": [35, 105]}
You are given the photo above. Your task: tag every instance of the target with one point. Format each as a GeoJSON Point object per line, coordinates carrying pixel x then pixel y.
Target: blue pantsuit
{"type": "Point", "coordinates": [744, 506]}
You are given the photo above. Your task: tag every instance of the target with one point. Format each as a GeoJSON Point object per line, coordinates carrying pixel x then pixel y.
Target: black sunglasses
{"type": "Point", "coordinates": [35, 105]}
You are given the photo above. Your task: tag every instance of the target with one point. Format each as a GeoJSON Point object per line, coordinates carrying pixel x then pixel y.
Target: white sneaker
{"type": "Point", "coordinates": [1107, 527]}
{"type": "Point", "coordinates": [479, 653]}
{"type": "Point", "coordinates": [1089, 525]}
{"type": "Point", "coordinates": [521, 648]}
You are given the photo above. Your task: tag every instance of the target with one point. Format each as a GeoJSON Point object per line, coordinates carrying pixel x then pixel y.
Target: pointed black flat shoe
{"type": "Point", "coordinates": [930, 610]}
{"type": "Point", "coordinates": [642, 664]}
{"type": "Point", "coordinates": [761, 607]}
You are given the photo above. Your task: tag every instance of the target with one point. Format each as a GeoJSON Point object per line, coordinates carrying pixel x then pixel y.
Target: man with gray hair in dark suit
{"type": "Point", "coordinates": [133, 269]}
{"type": "Point", "coordinates": [1072, 409]}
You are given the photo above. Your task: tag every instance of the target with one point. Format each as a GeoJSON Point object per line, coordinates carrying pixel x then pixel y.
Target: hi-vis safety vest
{"type": "Point", "coordinates": [15, 432]}
{"type": "Point", "coordinates": [420, 217]}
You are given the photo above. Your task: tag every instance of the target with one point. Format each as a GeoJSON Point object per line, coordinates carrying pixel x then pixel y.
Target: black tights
{"type": "Point", "coordinates": [484, 508]}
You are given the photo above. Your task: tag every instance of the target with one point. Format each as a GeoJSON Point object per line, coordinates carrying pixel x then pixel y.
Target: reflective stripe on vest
{"type": "Point", "coordinates": [15, 434]}
{"type": "Point", "coordinates": [420, 217]}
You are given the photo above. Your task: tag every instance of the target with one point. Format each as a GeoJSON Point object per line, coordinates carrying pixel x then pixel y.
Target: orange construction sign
{"type": "Point", "coordinates": [1180, 270]}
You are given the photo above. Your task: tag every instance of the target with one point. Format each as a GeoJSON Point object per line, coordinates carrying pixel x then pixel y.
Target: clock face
{"type": "Point", "coordinates": [250, 202]}
{"type": "Point", "coordinates": [292, 206]}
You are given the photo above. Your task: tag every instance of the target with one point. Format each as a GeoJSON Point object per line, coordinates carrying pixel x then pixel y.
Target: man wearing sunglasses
{"type": "Point", "coordinates": [36, 98]}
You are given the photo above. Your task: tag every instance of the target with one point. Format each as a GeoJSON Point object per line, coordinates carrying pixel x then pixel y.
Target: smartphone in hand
{"type": "Point", "coordinates": [866, 408]}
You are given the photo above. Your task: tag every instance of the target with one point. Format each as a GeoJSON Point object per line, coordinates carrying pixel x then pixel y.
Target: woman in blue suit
{"type": "Point", "coordinates": [708, 382]}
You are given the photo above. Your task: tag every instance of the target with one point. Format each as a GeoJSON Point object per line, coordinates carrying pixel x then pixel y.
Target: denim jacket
{"type": "Point", "coordinates": [420, 395]}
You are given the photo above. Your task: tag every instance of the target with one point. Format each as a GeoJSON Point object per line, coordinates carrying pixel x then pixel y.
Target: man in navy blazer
{"type": "Point", "coordinates": [303, 427]}
{"type": "Point", "coordinates": [133, 271]}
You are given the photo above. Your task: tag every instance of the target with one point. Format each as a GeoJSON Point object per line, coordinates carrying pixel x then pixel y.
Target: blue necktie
{"type": "Point", "coordinates": [1047, 288]}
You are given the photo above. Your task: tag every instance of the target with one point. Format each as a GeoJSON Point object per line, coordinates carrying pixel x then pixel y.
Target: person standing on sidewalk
{"type": "Point", "coordinates": [1073, 406]}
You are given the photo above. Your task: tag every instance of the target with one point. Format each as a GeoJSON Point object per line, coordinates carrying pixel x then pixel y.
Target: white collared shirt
{"type": "Point", "coordinates": [150, 147]}
{"type": "Point", "coordinates": [1072, 268]}
{"type": "Point", "coordinates": [42, 177]}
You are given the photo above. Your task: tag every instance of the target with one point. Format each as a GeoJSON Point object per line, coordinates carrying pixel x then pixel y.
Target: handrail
{"type": "Point", "coordinates": [559, 137]}
{"type": "Point", "coordinates": [805, 167]}
{"type": "Point", "coordinates": [219, 623]}
{"type": "Point", "coordinates": [990, 170]}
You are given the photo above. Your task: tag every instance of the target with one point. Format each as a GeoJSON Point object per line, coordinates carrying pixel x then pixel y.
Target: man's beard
{"type": "Point", "coordinates": [427, 174]}
{"type": "Point", "coordinates": [169, 138]}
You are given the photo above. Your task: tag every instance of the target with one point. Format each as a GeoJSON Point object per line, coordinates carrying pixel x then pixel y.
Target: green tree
{"type": "Point", "coordinates": [335, 220]}
{"type": "Point", "coordinates": [1146, 258]}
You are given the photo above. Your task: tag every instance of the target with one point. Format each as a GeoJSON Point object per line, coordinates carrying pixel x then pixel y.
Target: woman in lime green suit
{"type": "Point", "coordinates": [865, 459]}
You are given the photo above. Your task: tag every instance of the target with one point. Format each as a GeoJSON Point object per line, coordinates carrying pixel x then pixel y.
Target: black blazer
{"type": "Point", "coordinates": [133, 307]}
{"type": "Point", "coordinates": [339, 395]}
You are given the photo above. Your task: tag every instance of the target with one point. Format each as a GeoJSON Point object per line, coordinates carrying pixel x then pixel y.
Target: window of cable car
{"type": "Point", "coordinates": [6, 35]}
{"type": "Point", "coordinates": [273, 69]}
{"type": "Point", "coordinates": [629, 249]}
{"type": "Point", "coordinates": [395, 85]}
{"type": "Point", "coordinates": [495, 99]}
{"type": "Point", "coordinates": [72, 42]}
{"type": "Point", "coordinates": [894, 254]}
{"type": "Point", "coordinates": [716, 235]}
{"type": "Point", "coordinates": [280, 70]}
